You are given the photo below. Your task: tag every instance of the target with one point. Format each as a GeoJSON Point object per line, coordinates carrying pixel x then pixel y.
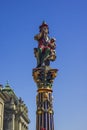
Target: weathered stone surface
{"type": "Point", "coordinates": [13, 111]}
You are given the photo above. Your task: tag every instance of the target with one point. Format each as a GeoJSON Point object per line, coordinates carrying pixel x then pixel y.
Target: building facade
{"type": "Point", "coordinates": [13, 111]}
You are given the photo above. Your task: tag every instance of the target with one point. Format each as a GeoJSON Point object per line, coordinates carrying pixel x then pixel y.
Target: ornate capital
{"type": "Point", "coordinates": [44, 76]}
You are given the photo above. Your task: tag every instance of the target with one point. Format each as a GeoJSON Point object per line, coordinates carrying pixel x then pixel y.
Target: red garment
{"type": "Point", "coordinates": [43, 45]}
{"type": "Point", "coordinates": [43, 128]}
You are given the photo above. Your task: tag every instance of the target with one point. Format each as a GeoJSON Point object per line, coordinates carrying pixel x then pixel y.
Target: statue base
{"type": "Point", "coordinates": [44, 76]}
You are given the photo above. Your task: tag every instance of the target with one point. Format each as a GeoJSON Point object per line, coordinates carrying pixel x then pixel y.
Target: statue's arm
{"type": "Point", "coordinates": [38, 36]}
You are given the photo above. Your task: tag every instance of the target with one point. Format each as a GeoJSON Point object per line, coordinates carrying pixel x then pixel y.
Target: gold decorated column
{"type": "Point", "coordinates": [44, 76]}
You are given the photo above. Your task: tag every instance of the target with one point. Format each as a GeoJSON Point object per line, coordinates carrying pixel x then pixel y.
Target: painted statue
{"type": "Point", "coordinates": [46, 46]}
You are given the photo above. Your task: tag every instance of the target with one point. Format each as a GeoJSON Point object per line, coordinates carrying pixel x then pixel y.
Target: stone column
{"type": "Point", "coordinates": [16, 123]}
{"type": "Point", "coordinates": [13, 122]}
{"type": "Point", "coordinates": [20, 123]}
{"type": "Point", "coordinates": [1, 113]}
{"type": "Point", "coordinates": [12, 106]}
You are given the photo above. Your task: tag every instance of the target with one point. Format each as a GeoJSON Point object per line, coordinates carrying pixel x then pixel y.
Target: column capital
{"type": "Point", "coordinates": [44, 77]}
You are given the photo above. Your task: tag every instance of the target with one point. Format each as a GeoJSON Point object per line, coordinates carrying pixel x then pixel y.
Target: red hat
{"type": "Point", "coordinates": [43, 24]}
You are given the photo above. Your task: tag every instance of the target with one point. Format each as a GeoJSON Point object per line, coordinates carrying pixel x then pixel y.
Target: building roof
{"type": "Point", "coordinates": [9, 92]}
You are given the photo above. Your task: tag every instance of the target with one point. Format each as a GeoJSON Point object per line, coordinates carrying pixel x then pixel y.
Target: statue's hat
{"type": "Point", "coordinates": [43, 24]}
{"type": "Point", "coordinates": [53, 39]}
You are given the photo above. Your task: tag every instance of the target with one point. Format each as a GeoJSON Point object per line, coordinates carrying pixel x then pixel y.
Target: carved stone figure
{"type": "Point", "coordinates": [46, 46]}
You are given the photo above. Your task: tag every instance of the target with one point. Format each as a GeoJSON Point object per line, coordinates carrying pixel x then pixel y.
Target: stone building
{"type": "Point", "coordinates": [13, 111]}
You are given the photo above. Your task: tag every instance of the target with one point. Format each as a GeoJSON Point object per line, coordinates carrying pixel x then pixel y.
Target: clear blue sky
{"type": "Point", "coordinates": [67, 20]}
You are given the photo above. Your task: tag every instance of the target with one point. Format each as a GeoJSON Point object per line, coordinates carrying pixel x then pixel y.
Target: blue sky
{"type": "Point", "coordinates": [67, 20]}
